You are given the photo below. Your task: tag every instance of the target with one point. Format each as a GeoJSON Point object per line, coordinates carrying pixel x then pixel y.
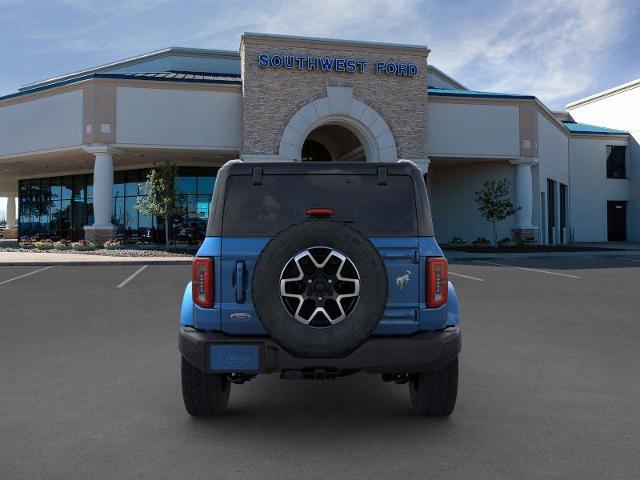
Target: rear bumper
{"type": "Point", "coordinates": [421, 352]}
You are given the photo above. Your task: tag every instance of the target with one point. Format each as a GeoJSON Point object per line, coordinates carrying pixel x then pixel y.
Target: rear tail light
{"type": "Point", "coordinates": [202, 281]}
{"type": "Point", "coordinates": [437, 284]}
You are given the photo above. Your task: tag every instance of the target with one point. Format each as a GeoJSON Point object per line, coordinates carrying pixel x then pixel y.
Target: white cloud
{"type": "Point", "coordinates": [545, 48]}
{"type": "Point", "coordinates": [548, 48]}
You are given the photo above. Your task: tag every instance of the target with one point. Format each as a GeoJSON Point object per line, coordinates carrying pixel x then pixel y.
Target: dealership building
{"type": "Point", "coordinates": [74, 149]}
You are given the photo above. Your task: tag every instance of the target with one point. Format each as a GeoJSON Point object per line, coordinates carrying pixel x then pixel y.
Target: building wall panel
{"type": "Point", "coordinates": [189, 118]}
{"type": "Point", "coordinates": [43, 124]}
{"type": "Point", "coordinates": [470, 129]}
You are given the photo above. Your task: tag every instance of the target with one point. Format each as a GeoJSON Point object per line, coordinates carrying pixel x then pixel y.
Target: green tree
{"type": "Point", "coordinates": [494, 203]}
{"type": "Point", "coordinates": [160, 199]}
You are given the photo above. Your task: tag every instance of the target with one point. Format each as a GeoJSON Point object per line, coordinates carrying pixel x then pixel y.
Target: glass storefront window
{"type": "Point", "coordinates": [67, 190]}
{"type": "Point", "coordinates": [186, 185]}
{"type": "Point", "coordinates": [131, 214]}
{"type": "Point", "coordinates": [118, 213]}
{"type": "Point", "coordinates": [89, 186]}
{"type": "Point", "coordinates": [202, 210]}
{"type": "Point", "coordinates": [59, 207]}
{"type": "Point", "coordinates": [118, 184]}
{"type": "Point", "coordinates": [79, 188]}
{"type": "Point", "coordinates": [205, 185]}
{"type": "Point", "coordinates": [131, 185]}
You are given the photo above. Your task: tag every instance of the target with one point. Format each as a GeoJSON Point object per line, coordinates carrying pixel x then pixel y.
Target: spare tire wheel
{"type": "Point", "coordinates": [320, 288]}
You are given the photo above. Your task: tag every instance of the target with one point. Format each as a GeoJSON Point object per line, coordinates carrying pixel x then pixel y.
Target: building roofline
{"type": "Point", "coordinates": [119, 76]}
{"type": "Point", "coordinates": [336, 41]}
{"type": "Point", "coordinates": [445, 92]}
{"type": "Point", "coordinates": [586, 128]}
{"type": "Point", "coordinates": [447, 77]}
{"type": "Point", "coordinates": [132, 61]}
{"type": "Point", "coordinates": [605, 93]}
{"type": "Point", "coordinates": [597, 131]}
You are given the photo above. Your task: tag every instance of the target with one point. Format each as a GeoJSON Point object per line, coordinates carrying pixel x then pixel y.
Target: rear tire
{"type": "Point", "coordinates": [204, 394]}
{"type": "Point", "coordinates": [433, 394]}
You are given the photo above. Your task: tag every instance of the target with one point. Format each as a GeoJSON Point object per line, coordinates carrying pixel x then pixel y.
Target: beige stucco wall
{"type": "Point", "coordinates": [50, 122]}
{"type": "Point", "coordinates": [178, 117]}
{"type": "Point", "coordinates": [473, 129]}
{"type": "Point", "coordinates": [272, 96]}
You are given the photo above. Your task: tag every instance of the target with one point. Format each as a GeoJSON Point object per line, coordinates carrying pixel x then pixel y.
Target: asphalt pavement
{"type": "Point", "coordinates": [549, 385]}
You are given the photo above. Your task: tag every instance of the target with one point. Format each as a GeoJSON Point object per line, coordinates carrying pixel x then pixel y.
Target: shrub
{"type": "Point", "coordinates": [506, 242]}
{"type": "Point", "coordinates": [457, 241]}
{"type": "Point", "coordinates": [112, 244]}
{"type": "Point", "coordinates": [481, 241]}
{"type": "Point", "coordinates": [26, 242]}
{"type": "Point", "coordinates": [528, 241]}
{"type": "Point", "coordinates": [83, 245]}
{"type": "Point", "coordinates": [62, 245]}
{"type": "Point", "coordinates": [45, 244]}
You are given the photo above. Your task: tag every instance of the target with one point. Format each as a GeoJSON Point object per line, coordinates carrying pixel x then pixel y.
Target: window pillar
{"type": "Point", "coordinates": [524, 198]}
{"type": "Point", "coordinates": [102, 228]}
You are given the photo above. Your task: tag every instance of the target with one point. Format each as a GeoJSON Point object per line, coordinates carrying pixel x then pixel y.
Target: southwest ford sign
{"type": "Point", "coordinates": [334, 64]}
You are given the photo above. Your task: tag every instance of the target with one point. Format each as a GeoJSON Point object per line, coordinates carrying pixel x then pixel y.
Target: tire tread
{"type": "Point", "coordinates": [204, 395]}
{"type": "Point", "coordinates": [433, 394]}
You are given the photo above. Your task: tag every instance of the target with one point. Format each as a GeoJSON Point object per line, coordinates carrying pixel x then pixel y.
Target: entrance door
{"type": "Point", "coordinates": [332, 143]}
{"type": "Point", "coordinates": [617, 221]}
{"type": "Point", "coordinates": [543, 222]}
{"type": "Point", "coordinates": [551, 211]}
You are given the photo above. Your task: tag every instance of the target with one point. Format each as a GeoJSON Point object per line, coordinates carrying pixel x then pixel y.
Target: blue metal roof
{"type": "Point", "coordinates": [444, 92]}
{"type": "Point", "coordinates": [575, 127]}
{"type": "Point", "coordinates": [188, 77]}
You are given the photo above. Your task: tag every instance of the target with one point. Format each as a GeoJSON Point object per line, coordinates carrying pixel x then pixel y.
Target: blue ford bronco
{"type": "Point", "coordinates": [317, 271]}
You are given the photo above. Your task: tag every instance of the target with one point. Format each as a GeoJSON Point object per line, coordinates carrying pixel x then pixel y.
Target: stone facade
{"type": "Point", "coordinates": [9, 233]}
{"type": "Point", "coordinates": [99, 236]}
{"type": "Point", "coordinates": [524, 234]}
{"type": "Point", "coordinates": [272, 96]}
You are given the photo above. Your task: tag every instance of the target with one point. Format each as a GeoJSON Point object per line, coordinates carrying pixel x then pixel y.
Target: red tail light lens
{"type": "Point", "coordinates": [202, 281]}
{"type": "Point", "coordinates": [437, 282]}
{"type": "Point", "coordinates": [320, 212]}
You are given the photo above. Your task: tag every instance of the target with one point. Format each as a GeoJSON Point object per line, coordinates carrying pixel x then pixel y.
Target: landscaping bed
{"type": "Point", "coordinates": [122, 252]}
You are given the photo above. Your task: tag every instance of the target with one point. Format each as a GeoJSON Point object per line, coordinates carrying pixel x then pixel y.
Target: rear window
{"type": "Point", "coordinates": [281, 200]}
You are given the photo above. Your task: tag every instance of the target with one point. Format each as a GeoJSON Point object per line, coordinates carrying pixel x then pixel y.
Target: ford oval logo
{"type": "Point", "coordinates": [240, 317]}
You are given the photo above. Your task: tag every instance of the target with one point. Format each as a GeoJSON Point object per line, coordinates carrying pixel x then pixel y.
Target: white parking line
{"type": "Point", "coordinates": [132, 276]}
{"type": "Point", "coordinates": [529, 269]}
{"type": "Point", "coordinates": [466, 276]}
{"type": "Point", "coordinates": [25, 275]}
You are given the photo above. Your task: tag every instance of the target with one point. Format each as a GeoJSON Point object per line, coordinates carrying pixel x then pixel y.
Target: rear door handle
{"type": "Point", "coordinates": [241, 290]}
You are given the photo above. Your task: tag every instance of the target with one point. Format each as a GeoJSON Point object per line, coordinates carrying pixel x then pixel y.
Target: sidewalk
{"type": "Point", "coordinates": [37, 259]}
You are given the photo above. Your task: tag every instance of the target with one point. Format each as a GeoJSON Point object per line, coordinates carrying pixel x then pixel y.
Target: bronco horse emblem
{"type": "Point", "coordinates": [402, 280]}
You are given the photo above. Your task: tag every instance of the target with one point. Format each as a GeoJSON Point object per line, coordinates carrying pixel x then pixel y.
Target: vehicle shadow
{"type": "Point", "coordinates": [274, 408]}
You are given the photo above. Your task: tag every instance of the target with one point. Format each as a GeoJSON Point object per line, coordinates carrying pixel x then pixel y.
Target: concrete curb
{"type": "Point", "coordinates": [92, 263]}
{"type": "Point", "coordinates": [498, 256]}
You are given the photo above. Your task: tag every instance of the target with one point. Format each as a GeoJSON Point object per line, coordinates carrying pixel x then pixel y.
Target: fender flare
{"type": "Point", "coordinates": [453, 315]}
{"type": "Point", "coordinates": [186, 309]}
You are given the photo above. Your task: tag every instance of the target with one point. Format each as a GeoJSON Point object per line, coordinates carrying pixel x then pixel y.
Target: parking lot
{"type": "Point", "coordinates": [549, 386]}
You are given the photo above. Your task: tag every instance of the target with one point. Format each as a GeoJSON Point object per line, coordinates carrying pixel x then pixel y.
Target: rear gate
{"type": "Point", "coordinates": [402, 261]}
{"type": "Point", "coordinates": [239, 256]}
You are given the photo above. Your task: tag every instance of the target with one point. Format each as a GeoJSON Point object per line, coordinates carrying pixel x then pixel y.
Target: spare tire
{"type": "Point", "coordinates": [319, 288]}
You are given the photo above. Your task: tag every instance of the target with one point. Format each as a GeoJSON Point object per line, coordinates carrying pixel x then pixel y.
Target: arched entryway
{"type": "Point", "coordinates": [332, 143]}
{"type": "Point", "coordinates": [337, 126]}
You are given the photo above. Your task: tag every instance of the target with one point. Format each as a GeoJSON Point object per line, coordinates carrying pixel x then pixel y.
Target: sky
{"type": "Point", "coordinates": [557, 50]}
